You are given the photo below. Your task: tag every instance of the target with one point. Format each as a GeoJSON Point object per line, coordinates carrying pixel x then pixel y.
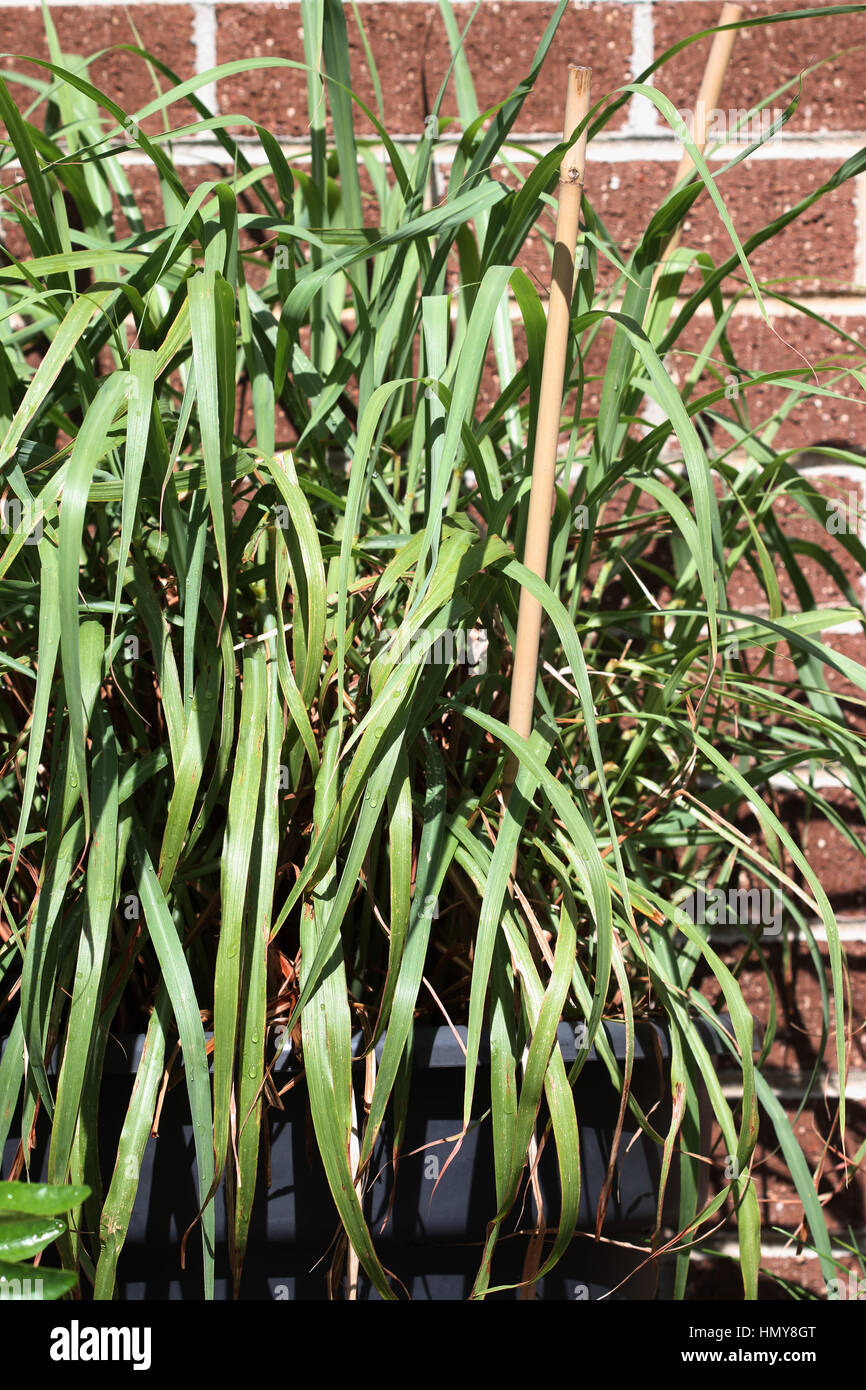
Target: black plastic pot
{"type": "Point", "coordinates": [430, 1241]}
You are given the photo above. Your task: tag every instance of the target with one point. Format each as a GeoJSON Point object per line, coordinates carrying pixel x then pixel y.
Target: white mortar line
{"type": "Point", "coordinates": [608, 147]}
{"type": "Point", "coordinates": [642, 115]}
{"type": "Point", "coordinates": [739, 459]}
{"type": "Point", "coordinates": [773, 1247]}
{"type": "Point", "coordinates": [749, 616]}
{"type": "Point", "coordinates": [860, 228]}
{"type": "Point", "coordinates": [849, 629]}
{"type": "Point", "coordinates": [277, 4]}
{"type": "Point", "coordinates": [843, 306]}
{"type": "Point", "coordinates": [791, 1085]}
{"type": "Point", "coordinates": [204, 39]}
{"type": "Point", "coordinates": [852, 930]}
{"type": "Point", "coordinates": [822, 781]}
{"type": "Point", "coordinates": [829, 468]}
{"type": "Point", "coordinates": [756, 613]}
{"type": "Point", "coordinates": [616, 146]}
{"type": "Point", "coordinates": [283, 4]}
{"type": "Point", "coordinates": [458, 4]}
{"type": "Point", "coordinates": [82, 4]}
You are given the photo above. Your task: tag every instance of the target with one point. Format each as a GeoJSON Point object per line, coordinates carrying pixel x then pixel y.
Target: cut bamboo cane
{"type": "Point", "coordinates": [541, 495]}
{"type": "Point", "coordinates": [708, 100]}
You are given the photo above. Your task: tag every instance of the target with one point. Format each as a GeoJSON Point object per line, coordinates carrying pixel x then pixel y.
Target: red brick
{"type": "Point", "coordinates": [781, 1279]}
{"type": "Point", "coordinates": [164, 30]}
{"type": "Point", "coordinates": [746, 591]}
{"type": "Point", "coordinates": [502, 41]}
{"type": "Point", "coordinates": [814, 254]}
{"type": "Point", "coordinates": [787, 345]}
{"type": "Point", "coordinates": [767, 56]}
{"type": "Point", "coordinates": [839, 864]}
{"type": "Point", "coordinates": [795, 985]}
{"type": "Point", "coordinates": [411, 53]}
{"type": "Point", "coordinates": [625, 195]}
{"type": "Point", "coordinates": [853, 698]}
{"type": "Point", "coordinates": [817, 1137]}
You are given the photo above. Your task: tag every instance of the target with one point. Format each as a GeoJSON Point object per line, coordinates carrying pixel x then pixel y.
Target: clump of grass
{"type": "Point", "coordinates": [228, 804]}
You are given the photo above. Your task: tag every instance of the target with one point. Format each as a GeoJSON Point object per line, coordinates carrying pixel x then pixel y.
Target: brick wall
{"type": "Point", "coordinates": [629, 166]}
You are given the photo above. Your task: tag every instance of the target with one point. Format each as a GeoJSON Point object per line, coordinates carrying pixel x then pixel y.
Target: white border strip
{"type": "Point", "coordinates": [852, 930]}
{"type": "Point", "coordinates": [605, 149]}
{"type": "Point", "coordinates": [642, 115]}
{"type": "Point", "coordinates": [772, 1248]}
{"type": "Point", "coordinates": [791, 1086]}
{"type": "Point", "coordinates": [204, 41]}
{"type": "Point", "coordinates": [711, 6]}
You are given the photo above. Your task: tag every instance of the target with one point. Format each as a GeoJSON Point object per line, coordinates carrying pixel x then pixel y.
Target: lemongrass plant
{"type": "Point", "coordinates": [228, 760]}
{"type": "Point", "coordinates": [31, 1220]}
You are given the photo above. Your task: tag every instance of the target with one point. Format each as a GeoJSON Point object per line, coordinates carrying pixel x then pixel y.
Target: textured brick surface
{"type": "Point", "coordinates": [837, 862]}
{"type": "Point", "coordinates": [164, 30]}
{"type": "Point", "coordinates": [257, 247]}
{"type": "Point", "coordinates": [815, 254]}
{"type": "Point", "coordinates": [851, 698]}
{"type": "Point", "coordinates": [782, 1278]}
{"type": "Point", "coordinates": [503, 39]}
{"type": "Point", "coordinates": [787, 345]}
{"type": "Point", "coordinates": [492, 386]}
{"type": "Point", "coordinates": [285, 433]}
{"type": "Point", "coordinates": [276, 95]}
{"type": "Point", "coordinates": [411, 55]}
{"type": "Point", "coordinates": [789, 976]}
{"type": "Point", "coordinates": [816, 1132]}
{"type": "Point", "coordinates": [745, 589]}
{"type": "Point", "coordinates": [765, 57]}
{"type": "Point", "coordinates": [852, 646]}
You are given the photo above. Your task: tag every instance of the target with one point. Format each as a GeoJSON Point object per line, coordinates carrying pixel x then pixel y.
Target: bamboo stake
{"type": "Point", "coordinates": [541, 495]}
{"type": "Point", "coordinates": [708, 100]}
